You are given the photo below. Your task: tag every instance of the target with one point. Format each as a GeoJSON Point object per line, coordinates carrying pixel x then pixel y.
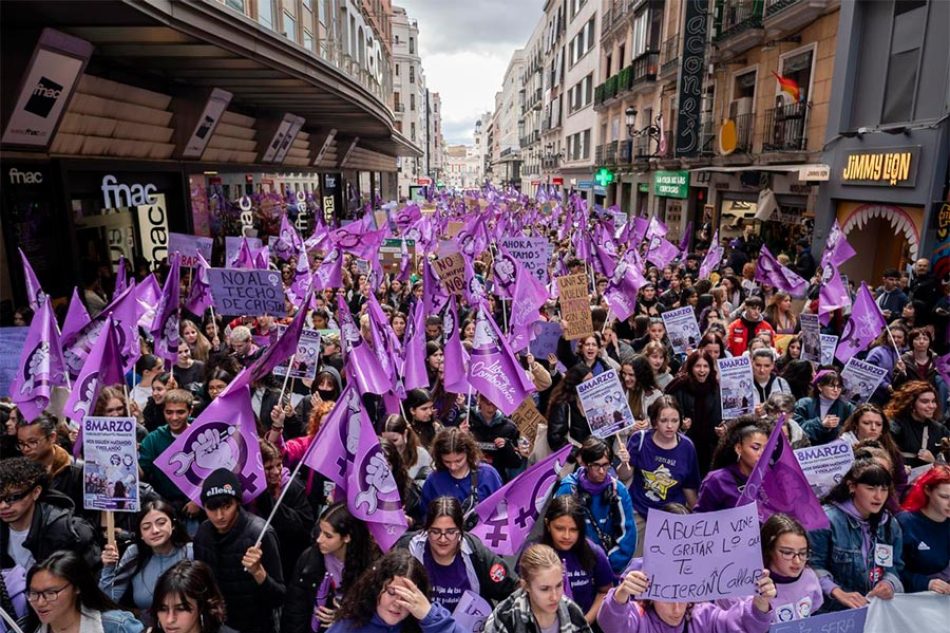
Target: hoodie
{"type": "Point", "coordinates": [704, 617]}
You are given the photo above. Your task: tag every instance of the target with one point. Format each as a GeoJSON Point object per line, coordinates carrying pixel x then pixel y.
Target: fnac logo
{"type": "Point", "coordinates": [44, 97]}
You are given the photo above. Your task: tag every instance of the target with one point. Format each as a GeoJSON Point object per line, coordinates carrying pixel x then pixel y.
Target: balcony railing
{"type": "Point", "coordinates": [610, 153]}
{"type": "Point", "coordinates": [641, 148]}
{"type": "Point", "coordinates": [745, 124]}
{"type": "Point", "coordinates": [645, 68]}
{"type": "Point", "coordinates": [599, 154]}
{"type": "Point", "coordinates": [670, 55]}
{"type": "Point", "coordinates": [738, 16]}
{"type": "Point", "coordinates": [707, 136]}
{"type": "Point", "coordinates": [785, 128]}
{"type": "Point", "coordinates": [625, 152]}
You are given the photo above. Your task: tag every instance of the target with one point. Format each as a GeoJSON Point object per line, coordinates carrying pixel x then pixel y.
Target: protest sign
{"type": "Point", "coordinates": [453, 228]}
{"type": "Point", "coordinates": [735, 386]}
{"type": "Point", "coordinates": [247, 292]}
{"type": "Point", "coordinates": [190, 246]}
{"type": "Point", "coordinates": [546, 336]}
{"type": "Point", "coordinates": [12, 340]}
{"type": "Point", "coordinates": [811, 337]}
{"type": "Point", "coordinates": [860, 379]}
{"type": "Point", "coordinates": [527, 418]}
{"type": "Point", "coordinates": [306, 358]}
{"type": "Point", "coordinates": [232, 247]}
{"type": "Point", "coordinates": [390, 254]}
{"type": "Point", "coordinates": [575, 306]}
{"type": "Point", "coordinates": [705, 556]}
{"type": "Point", "coordinates": [682, 329]}
{"type": "Point", "coordinates": [605, 404]}
{"type": "Point", "coordinates": [471, 612]}
{"type": "Point", "coordinates": [110, 470]}
{"type": "Point", "coordinates": [825, 465]}
{"type": "Point", "coordinates": [450, 270]}
{"type": "Point", "coordinates": [828, 345]}
{"type": "Point", "coordinates": [791, 621]}
{"type": "Point", "coordinates": [533, 253]}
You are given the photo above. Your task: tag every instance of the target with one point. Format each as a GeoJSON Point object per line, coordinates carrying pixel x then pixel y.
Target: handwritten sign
{"type": "Point", "coordinates": [190, 246]}
{"type": "Point", "coordinates": [527, 418]}
{"type": "Point", "coordinates": [735, 386]}
{"type": "Point", "coordinates": [247, 292]}
{"type": "Point", "coordinates": [110, 468]}
{"type": "Point", "coordinates": [825, 465]}
{"type": "Point", "coordinates": [533, 253]}
{"type": "Point", "coordinates": [471, 611]}
{"type": "Point", "coordinates": [450, 270]}
{"type": "Point", "coordinates": [605, 404]}
{"type": "Point", "coordinates": [699, 557]}
{"type": "Point", "coordinates": [575, 306]}
{"type": "Point", "coordinates": [307, 357]}
{"type": "Point", "coordinates": [848, 621]}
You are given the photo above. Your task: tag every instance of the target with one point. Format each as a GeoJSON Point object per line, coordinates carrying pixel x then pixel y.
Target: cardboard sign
{"type": "Point", "coordinates": [735, 386]}
{"type": "Point", "coordinates": [527, 418]}
{"type": "Point", "coordinates": [110, 470]}
{"type": "Point", "coordinates": [575, 306]}
{"type": "Point", "coordinates": [825, 465]}
{"type": "Point", "coordinates": [534, 253]}
{"type": "Point", "coordinates": [605, 404]}
{"type": "Point", "coordinates": [307, 357]}
{"type": "Point", "coordinates": [390, 254]}
{"type": "Point", "coordinates": [859, 380]}
{"type": "Point", "coordinates": [247, 292]}
{"type": "Point", "coordinates": [453, 228]}
{"type": "Point", "coordinates": [705, 556]}
{"type": "Point", "coordinates": [450, 270]}
{"type": "Point", "coordinates": [190, 246]}
{"type": "Point", "coordinates": [682, 329]}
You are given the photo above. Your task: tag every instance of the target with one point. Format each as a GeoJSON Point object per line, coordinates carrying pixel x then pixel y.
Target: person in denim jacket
{"type": "Point", "coordinates": [859, 556]}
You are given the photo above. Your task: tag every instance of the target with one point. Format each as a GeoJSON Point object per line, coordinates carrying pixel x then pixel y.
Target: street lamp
{"type": "Point", "coordinates": [651, 131]}
{"type": "Point", "coordinates": [631, 119]}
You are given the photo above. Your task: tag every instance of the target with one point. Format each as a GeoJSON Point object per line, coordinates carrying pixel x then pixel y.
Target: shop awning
{"type": "Point", "coordinates": [806, 171]}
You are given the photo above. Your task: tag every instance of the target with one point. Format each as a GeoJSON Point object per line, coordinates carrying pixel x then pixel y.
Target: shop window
{"type": "Point", "coordinates": [265, 13]}
{"type": "Point", "coordinates": [910, 21]}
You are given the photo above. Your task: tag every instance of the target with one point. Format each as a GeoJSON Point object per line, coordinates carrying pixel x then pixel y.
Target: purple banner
{"type": "Point", "coordinates": [190, 246]}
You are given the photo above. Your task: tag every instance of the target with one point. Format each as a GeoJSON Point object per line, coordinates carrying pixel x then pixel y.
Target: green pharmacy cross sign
{"type": "Point", "coordinates": [604, 176]}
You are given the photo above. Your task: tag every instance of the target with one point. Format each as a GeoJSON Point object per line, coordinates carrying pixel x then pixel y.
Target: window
{"type": "Point", "coordinates": [412, 131]}
{"type": "Point", "coordinates": [308, 4]}
{"type": "Point", "coordinates": [322, 11]}
{"type": "Point", "coordinates": [397, 70]}
{"type": "Point", "coordinates": [910, 19]}
{"type": "Point", "coordinates": [308, 40]}
{"type": "Point", "coordinates": [290, 26]}
{"type": "Point", "coordinates": [797, 67]}
{"type": "Point", "coordinates": [640, 30]}
{"type": "Point", "coordinates": [412, 74]}
{"type": "Point", "coordinates": [237, 5]}
{"type": "Point", "coordinates": [265, 13]}
{"type": "Point", "coordinates": [396, 40]}
{"type": "Point", "coordinates": [412, 102]}
{"type": "Point", "coordinates": [412, 46]}
{"type": "Point", "coordinates": [591, 25]}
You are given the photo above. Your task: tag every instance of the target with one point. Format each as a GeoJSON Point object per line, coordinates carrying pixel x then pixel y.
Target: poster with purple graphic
{"type": "Point", "coordinates": [735, 386]}
{"type": "Point", "coordinates": [190, 246]}
{"type": "Point", "coordinates": [825, 465]}
{"type": "Point", "coordinates": [859, 380]}
{"type": "Point", "coordinates": [682, 329]}
{"type": "Point", "coordinates": [546, 335]}
{"type": "Point", "coordinates": [811, 337]}
{"type": "Point", "coordinates": [247, 292]}
{"type": "Point", "coordinates": [307, 357]}
{"type": "Point", "coordinates": [605, 404]}
{"type": "Point", "coordinates": [110, 470]}
{"type": "Point", "coordinates": [471, 612]}
{"type": "Point", "coordinates": [789, 619]}
{"type": "Point", "coordinates": [705, 556]}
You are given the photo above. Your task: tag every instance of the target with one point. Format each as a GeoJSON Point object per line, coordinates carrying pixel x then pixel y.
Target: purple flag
{"type": "Point", "coordinates": [684, 241]}
{"type": "Point", "coordinates": [621, 292]}
{"type": "Point", "coordinates": [288, 241]}
{"type": "Point", "coordinates": [581, 242]}
{"type": "Point", "coordinates": [223, 436]}
{"type": "Point", "coordinates": [942, 364]}
{"type": "Point", "coordinates": [147, 294]}
{"type": "Point", "coordinates": [473, 289]}
{"type": "Point", "coordinates": [330, 272]}
{"type": "Point", "coordinates": [199, 296]}
{"type": "Point", "coordinates": [359, 239]}
{"type": "Point", "coordinates": [76, 316]}
{"type": "Point", "coordinates": [165, 326]}
{"type": "Point", "coordinates": [346, 451]}
{"type": "Point", "coordinates": [121, 278]}
{"type": "Point", "coordinates": [655, 228]}
{"type": "Point", "coordinates": [603, 261]}
{"type": "Point", "coordinates": [769, 271]}
{"type": "Point", "coordinates": [864, 325]}
{"type": "Point", "coordinates": [103, 367]}
{"type": "Point", "coordinates": [414, 374]}
{"type": "Point", "coordinates": [41, 365]}
{"type": "Point", "coordinates": [407, 216]}
{"type": "Point", "coordinates": [505, 272]}
{"type": "Point", "coordinates": [713, 257]}
{"type": "Point", "coordinates": [472, 240]}
{"type": "Point", "coordinates": [778, 484]}
{"type": "Point", "coordinates": [434, 297]}
{"type": "Point", "coordinates": [302, 278]}
{"type": "Point", "coordinates": [124, 313]}
{"type": "Point", "coordinates": [362, 364]}
{"type": "Point", "coordinates": [455, 359]}
{"type": "Point", "coordinates": [506, 517]}
{"type": "Point", "coordinates": [530, 296]}
{"type": "Point", "coordinates": [34, 292]}
{"type": "Point", "coordinates": [245, 257]}
{"type": "Point", "coordinates": [385, 343]}
{"type": "Point", "coordinates": [833, 294]}
{"type": "Point", "coordinates": [493, 369]}
{"type": "Point", "coordinates": [661, 251]}
{"type": "Point", "coordinates": [262, 259]}
{"type": "Point", "coordinates": [405, 262]}
{"type": "Point", "coordinates": [837, 248]}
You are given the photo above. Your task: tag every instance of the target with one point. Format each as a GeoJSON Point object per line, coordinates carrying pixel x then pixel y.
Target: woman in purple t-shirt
{"type": "Point", "coordinates": [587, 572]}
{"type": "Point", "coordinates": [735, 457]}
{"type": "Point", "coordinates": [664, 464]}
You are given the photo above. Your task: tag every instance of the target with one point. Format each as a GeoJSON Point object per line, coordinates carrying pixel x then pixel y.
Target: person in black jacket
{"type": "Point", "coordinates": [343, 549]}
{"type": "Point", "coordinates": [250, 574]}
{"type": "Point", "coordinates": [36, 521]}
{"type": "Point", "coordinates": [497, 438]}
{"type": "Point", "coordinates": [37, 440]}
{"type": "Point", "coordinates": [565, 415]}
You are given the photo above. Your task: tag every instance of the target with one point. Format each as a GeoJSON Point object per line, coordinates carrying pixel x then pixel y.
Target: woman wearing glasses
{"type": "Point", "coordinates": [456, 561]}
{"type": "Point", "coordinates": [63, 594]}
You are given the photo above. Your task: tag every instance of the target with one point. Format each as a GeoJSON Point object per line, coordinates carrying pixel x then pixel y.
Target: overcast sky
{"type": "Point", "coordinates": [465, 47]}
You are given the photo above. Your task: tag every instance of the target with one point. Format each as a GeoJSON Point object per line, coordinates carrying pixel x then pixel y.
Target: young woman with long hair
{"type": "Point", "coordinates": [793, 351]}
{"type": "Point", "coordinates": [197, 342]}
{"type": "Point", "coordinates": [459, 471]}
{"type": "Point", "coordinates": [421, 408]}
{"type": "Point", "coordinates": [779, 314]}
{"type": "Point", "coordinates": [696, 391]}
{"type": "Point", "coordinates": [188, 600]}
{"type": "Point", "coordinates": [785, 552]}
{"type": "Point", "coordinates": [566, 420]}
{"type": "Point", "coordinates": [925, 524]}
{"type": "Point", "coordinates": [659, 359]}
{"type": "Point", "coordinates": [738, 451]}
{"type": "Point", "coordinates": [417, 459]}
{"type": "Point", "coordinates": [916, 416]}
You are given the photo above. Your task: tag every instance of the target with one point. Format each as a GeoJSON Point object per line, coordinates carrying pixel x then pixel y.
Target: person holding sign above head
{"type": "Point", "coordinates": [620, 614]}
{"type": "Point", "coordinates": [665, 469]}
{"type": "Point", "coordinates": [821, 415]}
{"type": "Point", "coordinates": [926, 530]}
{"type": "Point", "coordinates": [860, 555]}
{"type": "Point", "coordinates": [586, 569]}
{"type": "Point", "coordinates": [540, 604]}
{"type": "Point", "coordinates": [606, 502]}
{"type": "Point", "coordinates": [735, 457]}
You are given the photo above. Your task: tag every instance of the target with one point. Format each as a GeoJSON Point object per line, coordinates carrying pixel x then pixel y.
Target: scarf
{"type": "Point", "coordinates": [590, 487]}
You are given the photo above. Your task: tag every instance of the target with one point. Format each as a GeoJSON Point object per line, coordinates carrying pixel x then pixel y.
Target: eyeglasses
{"type": "Point", "coordinates": [449, 535]}
{"type": "Point", "coordinates": [599, 466]}
{"type": "Point", "coordinates": [790, 554]}
{"type": "Point", "coordinates": [30, 444]}
{"type": "Point", "coordinates": [48, 595]}
{"type": "Point", "coordinates": [13, 497]}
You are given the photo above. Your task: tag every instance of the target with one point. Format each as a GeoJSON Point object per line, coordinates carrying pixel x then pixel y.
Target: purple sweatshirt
{"type": "Point", "coordinates": [795, 598]}
{"type": "Point", "coordinates": [720, 489]}
{"type": "Point", "coordinates": [706, 617]}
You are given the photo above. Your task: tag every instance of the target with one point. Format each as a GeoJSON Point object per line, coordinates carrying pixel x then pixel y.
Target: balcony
{"type": "Point", "coordinates": [745, 126]}
{"type": "Point", "coordinates": [740, 27]}
{"type": "Point", "coordinates": [670, 57]}
{"type": "Point", "coordinates": [641, 148]}
{"type": "Point", "coordinates": [785, 128]}
{"type": "Point", "coordinates": [644, 69]}
{"type": "Point", "coordinates": [785, 17]}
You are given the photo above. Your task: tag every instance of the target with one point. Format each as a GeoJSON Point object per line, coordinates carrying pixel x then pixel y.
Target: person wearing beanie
{"type": "Point", "coordinates": [250, 574]}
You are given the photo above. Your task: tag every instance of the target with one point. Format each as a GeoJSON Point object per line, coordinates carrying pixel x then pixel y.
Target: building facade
{"type": "Point", "coordinates": [410, 100]}
{"type": "Point", "coordinates": [506, 161]}
{"type": "Point", "coordinates": [463, 167]}
{"type": "Point", "coordinates": [529, 129]}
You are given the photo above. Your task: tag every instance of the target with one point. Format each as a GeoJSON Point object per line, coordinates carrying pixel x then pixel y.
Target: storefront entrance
{"type": "Point", "coordinates": [883, 236]}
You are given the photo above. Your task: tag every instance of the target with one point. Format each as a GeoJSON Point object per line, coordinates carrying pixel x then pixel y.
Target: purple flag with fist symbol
{"type": "Point", "coordinates": [41, 365]}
